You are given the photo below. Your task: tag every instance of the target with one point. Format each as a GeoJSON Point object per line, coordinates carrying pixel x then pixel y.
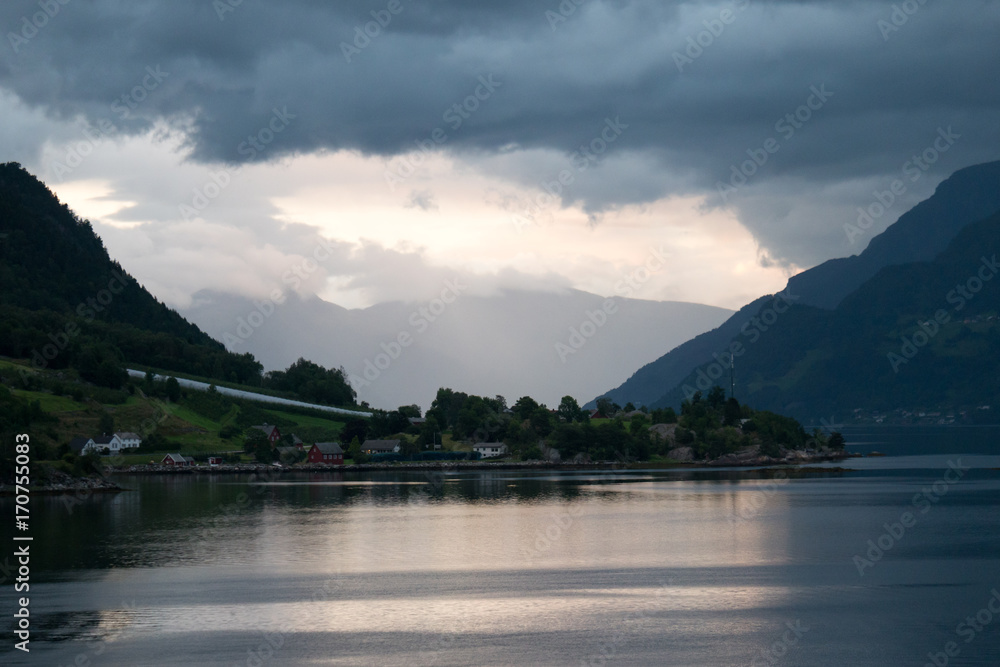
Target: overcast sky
{"type": "Point", "coordinates": [310, 118]}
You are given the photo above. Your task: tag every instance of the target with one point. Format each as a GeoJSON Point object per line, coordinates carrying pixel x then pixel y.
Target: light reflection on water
{"type": "Point", "coordinates": [650, 567]}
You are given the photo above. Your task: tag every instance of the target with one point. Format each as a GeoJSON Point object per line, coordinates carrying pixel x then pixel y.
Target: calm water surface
{"type": "Point", "coordinates": [519, 568]}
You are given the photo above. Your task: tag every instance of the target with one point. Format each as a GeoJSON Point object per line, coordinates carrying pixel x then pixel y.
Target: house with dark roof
{"type": "Point", "coordinates": [177, 460]}
{"type": "Point", "coordinates": [490, 449]}
{"type": "Point", "coordinates": [81, 445]}
{"type": "Point", "coordinates": [380, 447]}
{"type": "Point", "coordinates": [271, 431]}
{"type": "Point", "coordinates": [110, 442]}
{"type": "Point", "coordinates": [326, 452]}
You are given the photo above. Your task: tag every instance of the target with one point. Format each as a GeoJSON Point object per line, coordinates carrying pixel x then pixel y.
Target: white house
{"type": "Point", "coordinates": [490, 449]}
{"type": "Point", "coordinates": [128, 439]}
{"type": "Point", "coordinates": [112, 442]}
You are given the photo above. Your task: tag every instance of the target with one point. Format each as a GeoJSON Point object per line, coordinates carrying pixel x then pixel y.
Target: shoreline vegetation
{"type": "Point", "coordinates": [62, 483]}
{"type": "Point", "coordinates": [205, 426]}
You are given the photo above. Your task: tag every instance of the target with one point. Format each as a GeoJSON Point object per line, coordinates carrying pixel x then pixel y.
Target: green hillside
{"type": "Point", "coordinates": [919, 235]}
{"type": "Point", "coordinates": [65, 302]}
{"type": "Point", "coordinates": [61, 407]}
{"type": "Point", "coordinates": [918, 337]}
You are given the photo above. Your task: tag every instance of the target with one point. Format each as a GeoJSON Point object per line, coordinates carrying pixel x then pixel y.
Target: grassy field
{"type": "Point", "coordinates": [187, 431]}
{"type": "Point", "coordinates": [304, 420]}
{"type": "Point", "coordinates": [51, 403]}
{"type": "Point", "coordinates": [9, 364]}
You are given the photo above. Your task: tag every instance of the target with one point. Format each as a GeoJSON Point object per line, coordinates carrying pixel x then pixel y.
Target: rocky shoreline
{"type": "Point", "coordinates": [59, 482]}
{"type": "Point", "coordinates": [751, 456]}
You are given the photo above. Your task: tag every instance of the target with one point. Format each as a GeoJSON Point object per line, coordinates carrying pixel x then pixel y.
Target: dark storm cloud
{"type": "Point", "coordinates": [700, 91]}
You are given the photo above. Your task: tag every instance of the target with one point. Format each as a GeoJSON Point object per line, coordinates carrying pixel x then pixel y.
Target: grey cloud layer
{"type": "Point", "coordinates": [687, 128]}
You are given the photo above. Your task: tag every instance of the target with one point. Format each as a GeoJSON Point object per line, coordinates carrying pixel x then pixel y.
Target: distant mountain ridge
{"type": "Point", "coordinates": [920, 234]}
{"type": "Point", "coordinates": [513, 342]}
{"type": "Point", "coordinates": [65, 303]}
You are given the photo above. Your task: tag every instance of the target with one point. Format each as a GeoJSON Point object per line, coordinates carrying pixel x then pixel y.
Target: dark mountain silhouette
{"type": "Point", "coordinates": [922, 335]}
{"type": "Point", "coordinates": [920, 234]}
{"type": "Point", "coordinates": [65, 302]}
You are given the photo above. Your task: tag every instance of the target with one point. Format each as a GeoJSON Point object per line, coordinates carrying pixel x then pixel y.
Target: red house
{"type": "Point", "coordinates": [326, 452]}
{"type": "Point", "coordinates": [177, 460]}
{"type": "Point", "coordinates": [271, 431]}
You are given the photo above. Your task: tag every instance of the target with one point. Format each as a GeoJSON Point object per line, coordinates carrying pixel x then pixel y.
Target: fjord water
{"type": "Point", "coordinates": [513, 567]}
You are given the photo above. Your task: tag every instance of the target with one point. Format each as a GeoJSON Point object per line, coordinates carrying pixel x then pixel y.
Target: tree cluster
{"type": "Point", "coordinates": [313, 383]}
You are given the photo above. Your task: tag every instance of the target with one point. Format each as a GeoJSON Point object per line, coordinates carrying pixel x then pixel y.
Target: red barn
{"type": "Point", "coordinates": [326, 452]}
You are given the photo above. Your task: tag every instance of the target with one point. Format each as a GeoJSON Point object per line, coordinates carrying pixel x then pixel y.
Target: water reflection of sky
{"type": "Point", "coordinates": [703, 566]}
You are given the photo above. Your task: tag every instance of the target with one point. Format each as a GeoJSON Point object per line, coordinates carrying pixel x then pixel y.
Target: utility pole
{"type": "Point", "coordinates": [732, 375]}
